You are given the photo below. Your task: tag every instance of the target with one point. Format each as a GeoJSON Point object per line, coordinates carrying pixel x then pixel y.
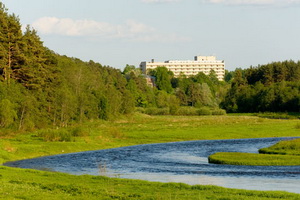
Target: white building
{"type": "Point", "coordinates": [189, 67]}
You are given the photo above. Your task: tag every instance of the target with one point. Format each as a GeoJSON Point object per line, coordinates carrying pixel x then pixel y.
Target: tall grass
{"type": "Point", "coordinates": [286, 115]}
{"type": "Point", "coordinates": [62, 134]}
{"type": "Point", "coordinates": [55, 135]}
{"type": "Point", "coordinates": [183, 111]}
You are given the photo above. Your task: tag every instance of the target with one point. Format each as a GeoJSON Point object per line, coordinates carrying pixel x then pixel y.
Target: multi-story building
{"type": "Point", "coordinates": [189, 67]}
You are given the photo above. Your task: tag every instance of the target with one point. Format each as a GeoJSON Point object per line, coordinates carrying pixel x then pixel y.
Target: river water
{"type": "Point", "coordinates": [184, 162]}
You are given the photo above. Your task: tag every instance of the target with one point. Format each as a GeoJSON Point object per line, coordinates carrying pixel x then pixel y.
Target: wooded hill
{"type": "Point", "coordinates": [39, 88]}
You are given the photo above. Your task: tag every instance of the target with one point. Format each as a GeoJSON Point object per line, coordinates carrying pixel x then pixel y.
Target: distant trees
{"type": "Point", "coordinates": [274, 87]}
{"type": "Point", "coordinates": [163, 78]}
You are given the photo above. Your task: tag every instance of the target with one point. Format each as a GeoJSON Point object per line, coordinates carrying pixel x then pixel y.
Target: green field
{"type": "Point", "coordinates": [130, 130]}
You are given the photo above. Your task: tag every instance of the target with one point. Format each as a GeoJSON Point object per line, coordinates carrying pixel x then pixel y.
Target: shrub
{"type": "Point", "coordinates": [140, 110]}
{"type": "Point", "coordinates": [115, 132]}
{"type": "Point", "coordinates": [157, 111]}
{"type": "Point", "coordinates": [204, 111]}
{"type": "Point", "coordinates": [55, 135]}
{"type": "Point", "coordinates": [187, 111]}
{"type": "Point", "coordinates": [79, 132]}
{"type": "Point", "coordinates": [219, 112]}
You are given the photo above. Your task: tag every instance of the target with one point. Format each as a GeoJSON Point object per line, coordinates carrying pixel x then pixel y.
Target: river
{"type": "Point", "coordinates": [184, 162]}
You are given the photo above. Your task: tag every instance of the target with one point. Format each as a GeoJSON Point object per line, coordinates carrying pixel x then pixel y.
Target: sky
{"type": "Point", "coordinates": [120, 32]}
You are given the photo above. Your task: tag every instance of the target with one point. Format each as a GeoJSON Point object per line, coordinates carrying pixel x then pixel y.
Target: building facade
{"type": "Point", "coordinates": [189, 67]}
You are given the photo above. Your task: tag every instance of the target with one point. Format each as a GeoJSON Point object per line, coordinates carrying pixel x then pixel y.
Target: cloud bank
{"type": "Point", "coordinates": [255, 2]}
{"type": "Point", "coordinates": [130, 30]}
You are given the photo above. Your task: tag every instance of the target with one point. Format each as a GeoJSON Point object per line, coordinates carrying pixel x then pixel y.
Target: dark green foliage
{"type": "Point", "coordinates": [7, 113]}
{"type": "Point", "coordinates": [273, 87]}
{"type": "Point", "coordinates": [163, 79]}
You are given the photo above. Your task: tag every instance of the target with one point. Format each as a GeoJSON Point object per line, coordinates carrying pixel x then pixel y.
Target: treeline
{"type": "Point", "coordinates": [39, 88]}
{"type": "Point", "coordinates": [274, 87]}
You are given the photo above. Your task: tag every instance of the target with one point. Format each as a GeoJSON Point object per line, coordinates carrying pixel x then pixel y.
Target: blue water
{"type": "Point", "coordinates": [184, 162]}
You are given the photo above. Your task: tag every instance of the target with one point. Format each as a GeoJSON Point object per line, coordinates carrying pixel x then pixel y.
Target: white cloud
{"type": "Point", "coordinates": [255, 2]}
{"type": "Point", "coordinates": [130, 30]}
{"type": "Point", "coordinates": [159, 1]}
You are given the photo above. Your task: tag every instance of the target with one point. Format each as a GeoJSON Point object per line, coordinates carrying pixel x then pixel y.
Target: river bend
{"type": "Point", "coordinates": [184, 162]}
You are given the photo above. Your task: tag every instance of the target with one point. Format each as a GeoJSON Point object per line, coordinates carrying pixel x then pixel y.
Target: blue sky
{"type": "Point", "coordinates": [120, 32]}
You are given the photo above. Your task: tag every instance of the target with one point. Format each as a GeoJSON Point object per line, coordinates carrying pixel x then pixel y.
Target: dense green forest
{"type": "Point", "coordinates": [274, 87]}
{"type": "Point", "coordinates": [39, 88]}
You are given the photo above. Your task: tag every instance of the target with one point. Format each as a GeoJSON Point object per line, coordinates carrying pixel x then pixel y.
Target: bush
{"type": "Point", "coordinates": [115, 132]}
{"type": "Point", "coordinates": [182, 111]}
{"type": "Point", "coordinates": [79, 132]}
{"type": "Point", "coordinates": [187, 111]}
{"type": "Point", "coordinates": [55, 135]}
{"type": "Point", "coordinates": [219, 112]}
{"type": "Point", "coordinates": [140, 110]}
{"type": "Point", "coordinates": [157, 111]}
{"type": "Point", "coordinates": [204, 111]}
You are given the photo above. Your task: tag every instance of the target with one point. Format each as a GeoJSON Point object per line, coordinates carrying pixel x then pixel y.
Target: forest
{"type": "Point", "coordinates": [40, 88]}
{"type": "Point", "coordinates": [273, 87]}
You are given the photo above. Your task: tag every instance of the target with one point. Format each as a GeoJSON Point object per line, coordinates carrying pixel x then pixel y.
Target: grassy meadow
{"type": "Point", "coordinates": [130, 130]}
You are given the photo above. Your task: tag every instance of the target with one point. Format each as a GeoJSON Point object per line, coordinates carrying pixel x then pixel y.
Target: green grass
{"type": "Point", "coordinates": [288, 147]}
{"type": "Point", "coordinates": [235, 158]}
{"type": "Point", "coordinates": [129, 130]}
{"type": "Point", "coordinates": [31, 184]}
{"type": "Point", "coordinates": [271, 115]}
{"type": "Point", "coordinates": [282, 153]}
{"type": "Point", "coordinates": [143, 129]}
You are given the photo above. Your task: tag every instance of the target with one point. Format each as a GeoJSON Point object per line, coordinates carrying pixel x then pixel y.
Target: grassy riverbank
{"type": "Point", "coordinates": [288, 147]}
{"type": "Point", "coordinates": [31, 184]}
{"type": "Point", "coordinates": [235, 158]}
{"type": "Point", "coordinates": [131, 130]}
{"type": "Point", "coordinates": [282, 153]}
